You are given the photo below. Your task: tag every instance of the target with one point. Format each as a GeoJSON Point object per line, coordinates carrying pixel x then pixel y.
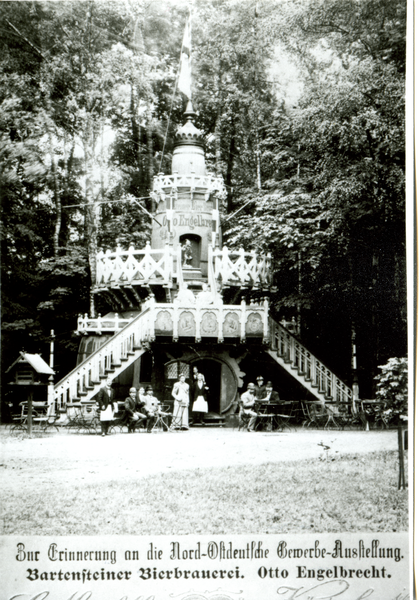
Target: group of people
{"type": "Point", "coordinates": [254, 395]}
{"type": "Point", "coordinates": [183, 394]}
{"type": "Point", "coordinates": [144, 406]}
{"type": "Point", "coordinates": [138, 407]}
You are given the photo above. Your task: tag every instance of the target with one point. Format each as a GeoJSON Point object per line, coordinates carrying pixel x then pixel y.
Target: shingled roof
{"type": "Point", "coordinates": [35, 360]}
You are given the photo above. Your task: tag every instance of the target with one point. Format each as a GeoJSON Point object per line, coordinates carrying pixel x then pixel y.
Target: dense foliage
{"type": "Point", "coordinates": [86, 100]}
{"type": "Point", "coordinates": [392, 388]}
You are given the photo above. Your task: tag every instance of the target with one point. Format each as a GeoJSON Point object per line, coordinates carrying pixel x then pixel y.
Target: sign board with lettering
{"type": "Point", "coordinates": [352, 566]}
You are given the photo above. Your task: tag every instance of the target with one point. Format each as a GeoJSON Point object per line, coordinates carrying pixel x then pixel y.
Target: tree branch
{"type": "Point", "coordinates": [25, 39]}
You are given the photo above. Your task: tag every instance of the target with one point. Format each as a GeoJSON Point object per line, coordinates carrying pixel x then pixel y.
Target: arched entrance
{"type": "Point", "coordinates": [220, 379]}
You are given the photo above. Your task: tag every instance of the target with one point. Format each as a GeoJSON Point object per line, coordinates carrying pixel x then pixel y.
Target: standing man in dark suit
{"type": "Point", "coordinates": [105, 399]}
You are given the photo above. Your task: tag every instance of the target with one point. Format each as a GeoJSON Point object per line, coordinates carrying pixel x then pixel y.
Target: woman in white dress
{"type": "Point", "coordinates": [181, 396]}
{"type": "Point", "coordinates": [200, 405]}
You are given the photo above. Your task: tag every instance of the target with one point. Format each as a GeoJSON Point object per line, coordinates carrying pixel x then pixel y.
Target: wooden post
{"type": "Point", "coordinates": [401, 474]}
{"type": "Point", "coordinates": [51, 405]}
{"type": "Point", "coordinates": [30, 398]}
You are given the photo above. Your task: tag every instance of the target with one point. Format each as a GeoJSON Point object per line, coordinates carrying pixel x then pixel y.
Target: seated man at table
{"type": "Point", "coordinates": [151, 408]}
{"type": "Point", "coordinates": [271, 395]}
{"type": "Point", "coordinates": [132, 415]}
{"type": "Point", "coordinates": [247, 404]}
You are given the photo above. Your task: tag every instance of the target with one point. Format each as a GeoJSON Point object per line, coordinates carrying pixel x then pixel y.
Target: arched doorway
{"type": "Point", "coordinates": [220, 379]}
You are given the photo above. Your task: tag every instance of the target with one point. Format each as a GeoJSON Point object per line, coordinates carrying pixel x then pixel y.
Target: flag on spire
{"type": "Point", "coordinates": [184, 80]}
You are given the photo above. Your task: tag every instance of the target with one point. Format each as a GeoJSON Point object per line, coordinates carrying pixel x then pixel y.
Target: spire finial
{"type": "Point", "coordinates": [189, 113]}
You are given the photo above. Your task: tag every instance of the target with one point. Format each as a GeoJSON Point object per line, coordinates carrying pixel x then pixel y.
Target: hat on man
{"type": "Point", "coordinates": [133, 389]}
{"type": "Point", "coordinates": [251, 386]}
{"type": "Point", "coordinates": [269, 384]}
{"type": "Point", "coordinates": [149, 389]}
{"type": "Point", "coordinates": [260, 378]}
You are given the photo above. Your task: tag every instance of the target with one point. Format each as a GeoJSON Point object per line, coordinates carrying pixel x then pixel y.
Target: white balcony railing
{"type": "Point", "coordinates": [237, 267]}
{"type": "Point", "coordinates": [141, 267]}
{"type": "Point", "coordinates": [164, 184]}
{"type": "Point", "coordinates": [108, 324]}
{"type": "Point", "coordinates": [135, 266]}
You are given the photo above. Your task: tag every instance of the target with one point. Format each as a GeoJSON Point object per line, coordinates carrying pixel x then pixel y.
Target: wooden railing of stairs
{"type": "Point", "coordinates": [297, 360]}
{"type": "Point", "coordinates": [114, 357]}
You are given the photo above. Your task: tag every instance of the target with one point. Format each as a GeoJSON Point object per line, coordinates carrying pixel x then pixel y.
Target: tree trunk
{"type": "Point", "coordinates": [229, 170]}
{"type": "Point", "coordinates": [150, 165]}
{"type": "Point", "coordinates": [91, 225]}
{"type": "Point", "coordinates": [57, 199]}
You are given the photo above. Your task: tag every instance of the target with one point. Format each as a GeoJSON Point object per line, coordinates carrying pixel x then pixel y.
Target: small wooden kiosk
{"type": "Point", "coordinates": [31, 373]}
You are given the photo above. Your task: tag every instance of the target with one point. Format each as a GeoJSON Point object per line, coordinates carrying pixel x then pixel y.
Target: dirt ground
{"type": "Point", "coordinates": [68, 456]}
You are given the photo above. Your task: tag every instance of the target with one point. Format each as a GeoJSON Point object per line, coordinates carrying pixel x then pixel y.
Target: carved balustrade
{"type": "Point", "coordinates": [86, 377]}
{"type": "Point", "coordinates": [199, 321]}
{"type": "Point", "coordinates": [211, 320]}
{"type": "Point", "coordinates": [147, 266]}
{"type": "Point", "coordinates": [134, 266]}
{"type": "Point", "coordinates": [169, 184]}
{"type": "Point", "coordinates": [306, 364]}
{"type": "Point", "coordinates": [99, 324]}
{"type": "Point", "coordinates": [237, 267]}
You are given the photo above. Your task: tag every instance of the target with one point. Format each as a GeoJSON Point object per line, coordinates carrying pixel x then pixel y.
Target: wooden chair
{"type": "Point", "coordinates": [243, 420]}
{"type": "Point", "coordinates": [176, 423]}
{"type": "Point", "coordinates": [315, 414]}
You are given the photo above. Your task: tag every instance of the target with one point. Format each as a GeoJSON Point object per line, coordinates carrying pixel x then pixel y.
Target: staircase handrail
{"type": "Point", "coordinates": [309, 365]}
{"type": "Point", "coordinates": [119, 337]}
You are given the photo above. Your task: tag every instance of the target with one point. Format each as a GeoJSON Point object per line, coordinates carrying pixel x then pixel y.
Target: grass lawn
{"type": "Point", "coordinates": [348, 493]}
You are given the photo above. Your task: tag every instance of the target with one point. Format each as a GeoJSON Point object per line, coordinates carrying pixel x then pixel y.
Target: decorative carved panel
{"type": "Point", "coordinates": [209, 325]}
{"type": "Point", "coordinates": [163, 323]}
{"type": "Point", "coordinates": [254, 325]}
{"type": "Point", "coordinates": [231, 325]}
{"type": "Point", "coordinates": [186, 324]}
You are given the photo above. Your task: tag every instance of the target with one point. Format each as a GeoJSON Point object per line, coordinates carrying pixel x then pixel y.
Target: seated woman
{"type": "Point", "coordinates": [141, 398]}
{"type": "Point", "coordinates": [132, 415]}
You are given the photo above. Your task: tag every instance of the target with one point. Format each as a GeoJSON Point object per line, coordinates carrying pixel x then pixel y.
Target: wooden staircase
{"type": "Point", "coordinates": [126, 346]}
{"type": "Point", "coordinates": [290, 354]}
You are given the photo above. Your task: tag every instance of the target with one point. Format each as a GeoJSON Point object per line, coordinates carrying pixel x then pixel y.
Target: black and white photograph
{"type": "Point", "coordinates": [207, 325]}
